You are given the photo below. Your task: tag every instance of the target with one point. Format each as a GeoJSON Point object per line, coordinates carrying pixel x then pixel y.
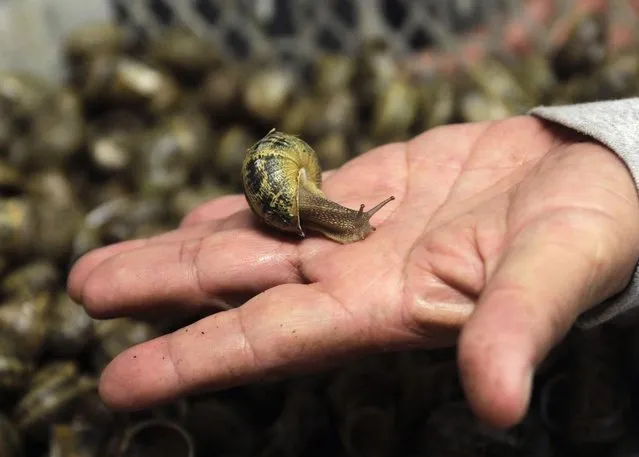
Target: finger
{"type": "Point", "coordinates": [83, 267]}
{"type": "Point", "coordinates": [551, 272]}
{"type": "Point", "coordinates": [87, 263]}
{"type": "Point", "coordinates": [288, 329]}
{"type": "Point", "coordinates": [188, 274]}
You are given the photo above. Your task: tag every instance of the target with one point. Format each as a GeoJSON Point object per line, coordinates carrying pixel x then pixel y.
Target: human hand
{"type": "Point", "coordinates": [507, 230]}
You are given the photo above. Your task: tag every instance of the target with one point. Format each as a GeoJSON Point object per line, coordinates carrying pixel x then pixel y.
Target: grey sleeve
{"type": "Point", "coordinates": [615, 124]}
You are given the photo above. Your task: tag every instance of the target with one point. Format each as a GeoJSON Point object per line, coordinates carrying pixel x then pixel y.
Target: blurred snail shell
{"type": "Point", "coordinates": [282, 178]}
{"type": "Point", "coordinates": [10, 443]}
{"type": "Point", "coordinates": [334, 72]}
{"type": "Point", "coordinates": [17, 225]}
{"type": "Point", "coordinates": [112, 152]}
{"type": "Point", "coordinates": [332, 150]}
{"type": "Point", "coordinates": [57, 129]}
{"type": "Point", "coordinates": [395, 109]}
{"type": "Point", "coordinates": [22, 95]}
{"type": "Point", "coordinates": [11, 179]}
{"type": "Point", "coordinates": [7, 129]}
{"type": "Point", "coordinates": [436, 438]}
{"type": "Point", "coordinates": [187, 199]}
{"type": "Point", "coordinates": [368, 431]}
{"type": "Point", "coordinates": [91, 412]}
{"type": "Point", "coordinates": [303, 415]}
{"type": "Point", "coordinates": [24, 321]}
{"type": "Point", "coordinates": [90, 234]}
{"type": "Point", "coordinates": [227, 162]}
{"type": "Point", "coordinates": [497, 84]}
{"type": "Point", "coordinates": [15, 371]}
{"type": "Point", "coordinates": [113, 140]}
{"type": "Point", "coordinates": [55, 244]}
{"type": "Point", "coordinates": [19, 152]}
{"type": "Point", "coordinates": [113, 221]}
{"type": "Point", "coordinates": [233, 431]}
{"type": "Point", "coordinates": [335, 112]}
{"type": "Point", "coordinates": [30, 279]}
{"type": "Point", "coordinates": [124, 80]}
{"type": "Point", "coordinates": [182, 51]}
{"type": "Point", "coordinates": [55, 205]}
{"type": "Point", "coordinates": [620, 76]}
{"type": "Point", "coordinates": [51, 185]}
{"type": "Point", "coordinates": [534, 73]}
{"type": "Point", "coordinates": [476, 106]}
{"type": "Point", "coordinates": [268, 93]}
{"type": "Point", "coordinates": [364, 144]}
{"type": "Point", "coordinates": [51, 396]}
{"type": "Point", "coordinates": [162, 438]}
{"type": "Point", "coordinates": [221, 91]}
{"type": "Point", "coordinates": [585, 48]}
{"type": "Point", "coordinates": [598, 395]}
{"type": "Point", "coordinates": [70, 327]}
{"type": "Point", "coordinates": [169, 151]}
{"type": "Point", "coordinates": [576, 90]}
{"type": "Point", "coordinates": [376, 68]}
{"type": "Point", "coordinates": [95, 38]}
{"type": "Point", "coordinates": [299, 116]}
{"type": "Point", "coordinates": [436, 99]}
{"type": "Point", "coordinates": [76, 440]}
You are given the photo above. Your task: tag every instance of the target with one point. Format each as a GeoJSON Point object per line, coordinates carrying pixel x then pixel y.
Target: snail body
{"type": "Point", "coordinates": [282, 179]}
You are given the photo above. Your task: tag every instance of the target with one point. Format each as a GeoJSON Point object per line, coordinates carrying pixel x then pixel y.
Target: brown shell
{"type": "Point", "coordinates": [271, 174]}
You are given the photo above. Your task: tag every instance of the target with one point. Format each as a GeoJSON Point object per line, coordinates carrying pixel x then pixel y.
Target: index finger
{"type": "Point", "coordinates": [185, 274]}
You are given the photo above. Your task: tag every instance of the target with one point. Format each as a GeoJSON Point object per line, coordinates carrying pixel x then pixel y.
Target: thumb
{"type": "Point", "coordinates": [551, 272]}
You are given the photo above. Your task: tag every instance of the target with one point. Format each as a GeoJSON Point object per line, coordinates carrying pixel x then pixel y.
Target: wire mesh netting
{"type": "Point", "coordinates": [302, 28]}
{"type": "Point", "coordinates": [292, 31]}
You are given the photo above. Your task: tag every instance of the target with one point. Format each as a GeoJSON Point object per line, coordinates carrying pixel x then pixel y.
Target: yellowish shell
{"type": "Point", "coordinates": [271, 174]}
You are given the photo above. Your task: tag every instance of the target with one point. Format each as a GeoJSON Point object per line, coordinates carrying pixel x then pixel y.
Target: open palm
{"type": "Point", "coordinates": [506, 229]}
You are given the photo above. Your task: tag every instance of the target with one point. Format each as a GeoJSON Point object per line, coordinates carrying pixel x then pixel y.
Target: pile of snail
{"type": "Point", "coordinates": [142, 131]}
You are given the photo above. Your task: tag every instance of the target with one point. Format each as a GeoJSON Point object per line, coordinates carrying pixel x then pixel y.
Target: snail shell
{"type": "Point", "coordinates": [76, 439]}
{"type": "Point", "coordinates": [30, 279]}
{"type": "Point", "coordinates": [158, 437]}
{"type": "Point", "coordinates": [70, 328]}
{"type": "Point", "coordinates": [50, 398]}
{"type": "Point", "coordinates": [10, 440]}
{"type": "Point", "coordinates": [282, 177]}
{"type": "Point", "coordinates": [15, 371]}
{"type": "Point", "coordinates": [17, 225]}
{"type": "Point", "coordinates": [23, 321]}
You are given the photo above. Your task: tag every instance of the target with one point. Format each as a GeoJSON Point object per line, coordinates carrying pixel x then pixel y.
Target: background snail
{"type": "Point", "coordinates": [282, 177]}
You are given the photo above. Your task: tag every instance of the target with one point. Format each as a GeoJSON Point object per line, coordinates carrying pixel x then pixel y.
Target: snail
{"type": "Point", "coordinates": [70, 328]}
{"type": "Point", "coordinates": [51, 397]}
{"type": "Point", "coordinates": [30, 279]}
{"type": "Point", "coordinates": [281, 176]}
{"type": "Point", "coordinates": [15, 370]}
